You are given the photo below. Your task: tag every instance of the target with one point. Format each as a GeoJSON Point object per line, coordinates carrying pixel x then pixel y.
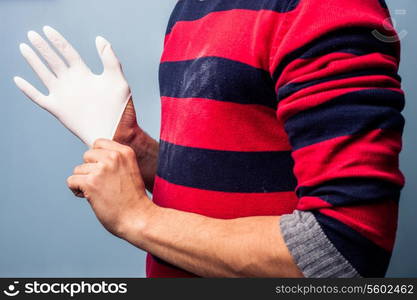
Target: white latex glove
{"type": "Point", "coordinates": [88, 104]}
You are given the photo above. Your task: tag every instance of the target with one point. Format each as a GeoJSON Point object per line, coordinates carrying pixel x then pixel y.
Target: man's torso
{"type": "Point", "coordinates": [223, 153]}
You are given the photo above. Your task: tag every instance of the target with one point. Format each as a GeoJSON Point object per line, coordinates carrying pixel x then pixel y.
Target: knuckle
{"type": "Point", "coordinates": [76, 170]}
{"type": "Point", "coordinates": [86, 155]}
{"type": "Point", "coordinates": [114, 155]}
{"type": "Point", "coordinates": [101, 167]}
{"type": "Point", "coordinates": [111, 164]}
{"type": "Point", "coordinates": [91, 182]}
{"type": "Point", "coordinates": [97, 143]}
{"type": "Point", "coordinates": [128, 152]}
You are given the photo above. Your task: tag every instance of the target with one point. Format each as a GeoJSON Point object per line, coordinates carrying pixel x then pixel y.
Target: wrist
{"type": "Point", "coordinates": [128, 130]}
{"type": "Point", "coordinates": [134, 224]}
{"type": "Point", "coordinates": [128, 135]}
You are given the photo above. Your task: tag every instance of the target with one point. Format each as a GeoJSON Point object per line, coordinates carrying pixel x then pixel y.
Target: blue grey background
{"type": "Point", "coordinates": [44, 230]}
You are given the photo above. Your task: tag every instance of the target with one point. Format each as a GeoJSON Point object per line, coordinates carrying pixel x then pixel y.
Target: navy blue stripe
{"type": "Point", "coordinates": [191, 10]}
{"type": "Point", "coordinates": [367, 258]}
{"type": "Point", "coordinates": [292, 88]}
{"type": "Point", "coordinates": [353, 191]}
{"type": "Point", "coordinates": [354, 40]}
{"type": "Point", "coordinates": [218, 79]}
{"type": "Point", "coordinates": [226, 171]}
{"type": "Point", "coordinates": [353, 113]}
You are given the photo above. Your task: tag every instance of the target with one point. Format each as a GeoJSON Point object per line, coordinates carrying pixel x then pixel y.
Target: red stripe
{"type": "Point", "coordinates": [154, 269]}
{"type": "Point", "coordinates": [377, 222]}
{"type": "Point", "coordinates": [231, 35]}
{"type": "Point", "coordinates": [222, 205]}
{"type": "Point", "coordinates": [235, 127]}
{"type": "Point", "coordinates": [369, 155]}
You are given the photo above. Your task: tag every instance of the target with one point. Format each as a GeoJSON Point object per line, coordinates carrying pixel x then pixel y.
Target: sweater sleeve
{"type": "Point", "coordinates": [340, 102]}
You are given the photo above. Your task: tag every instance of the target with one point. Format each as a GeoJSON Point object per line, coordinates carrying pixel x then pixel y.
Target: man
{"type": "Point", "coordinates": [278, 155]}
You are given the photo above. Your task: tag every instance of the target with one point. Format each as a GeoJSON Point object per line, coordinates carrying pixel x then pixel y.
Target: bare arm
{"type": "Point", "coordinates": [208, 247]}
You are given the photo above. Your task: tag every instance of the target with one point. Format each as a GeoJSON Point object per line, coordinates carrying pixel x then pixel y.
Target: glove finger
{"type": "Point", "coordinates": [63, 46]}
{"type": "Point", "coordinates": [31, 92]}
{"type": "Point", "coordinates": [37, 65]}
{"type": "Point", "coordinates": [107, 55]}
{"type": "Point", "coordinates": [56, 64]}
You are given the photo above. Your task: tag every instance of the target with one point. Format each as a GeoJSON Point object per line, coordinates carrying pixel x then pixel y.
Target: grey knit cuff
{"type": "Point", "coordinates": [313, 252]}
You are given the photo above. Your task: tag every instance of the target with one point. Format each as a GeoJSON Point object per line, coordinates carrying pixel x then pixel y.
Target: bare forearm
{"type": "Point", "coordinates": [244, 247]}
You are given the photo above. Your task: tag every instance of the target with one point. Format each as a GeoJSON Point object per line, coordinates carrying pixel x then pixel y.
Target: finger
{"type": "Point", "coordinates": [37, 65]}
{"type": "Point", "coordinates": [31, 92]}
{"type": "Point", "coordinates": [108, 145]}
{"type": "Point", "coordinates": [75, 185]}
{"type": "Point", "coordinates": [85, 169]}
{"type": "Point", "coordinates": [95, 155]}
{"type": "Point", "coordinates": [107, 55]}
{"type": "Point", "coordinates": [78, 193]}
{"type": "Point", "coordinates": [76, 182]}
{"type": "Point", "coordinates": [56, 64]}
{"type": "Point", "coordinates": [63, 46]}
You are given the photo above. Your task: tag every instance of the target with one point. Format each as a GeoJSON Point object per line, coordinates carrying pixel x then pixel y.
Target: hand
{"type": "Point", "coordinates": [88, 104]}
{"type": "Point", "coordinates": [111, 181]}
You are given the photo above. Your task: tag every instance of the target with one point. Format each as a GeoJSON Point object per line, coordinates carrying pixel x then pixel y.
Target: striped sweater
{"type": "Point", "coordinates": [290, 108]}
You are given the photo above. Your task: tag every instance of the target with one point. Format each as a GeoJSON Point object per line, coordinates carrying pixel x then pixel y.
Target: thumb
{"type": "Point", "coordinates": [107, 55]}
